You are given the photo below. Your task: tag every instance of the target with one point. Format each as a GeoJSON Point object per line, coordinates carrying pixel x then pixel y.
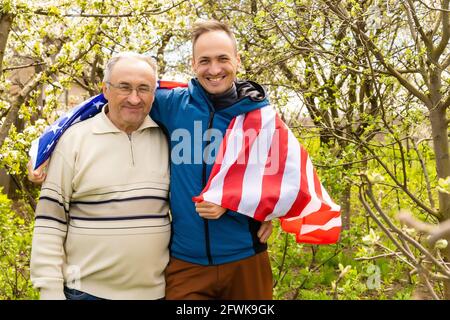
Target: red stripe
{"type": "Point", "coordinates": [321, 216]}
{"type": "Point", "coordinates": [304, 195]}
{"type": "Point", "coordinates": [271, 183]}
{"type": "Point", "coordinates": [318, 189]}
{"type": "Point", "coordinates": [320, 236]}
{"type": "Point", "coordinates": [232, 185]}
{"type": "Point", "coordinates": [171, 84]}
{"type": "Point", "coordinates": [292, 226]}
{"type": "Point", "coordinates": [218, 162]}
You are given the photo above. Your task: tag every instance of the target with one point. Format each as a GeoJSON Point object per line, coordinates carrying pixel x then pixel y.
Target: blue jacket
{"type": "Point", "coordinates": [185, 114]}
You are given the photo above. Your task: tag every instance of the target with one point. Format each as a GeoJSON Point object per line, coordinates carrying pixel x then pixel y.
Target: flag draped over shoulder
{"type": "Point", "coordinates": [42, 148]}
{"type": "Point", "coordinates": [260, 171]}
{"type": "Point", "coordinates": [263, 172]}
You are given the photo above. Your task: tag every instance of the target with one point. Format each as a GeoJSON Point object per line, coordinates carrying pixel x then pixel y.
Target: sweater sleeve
{"type": "Point", "coordinates": [50, 229]}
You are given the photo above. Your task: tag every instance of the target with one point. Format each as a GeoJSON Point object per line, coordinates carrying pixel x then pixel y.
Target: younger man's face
{"type": "Point", "coordinates": [215, 61]}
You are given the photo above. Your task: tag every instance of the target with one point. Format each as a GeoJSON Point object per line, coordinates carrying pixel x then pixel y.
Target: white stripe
{"type": "Point", "coordinates": [33, 153]}
{"type": "Point", "coordinates": [255, 167]}
{"type": "Point", "coordinates": [314, 203]}
{"type": "Point", "coordinates": [232, 149]}
{"type": "Point", "coordinates": [326, 197]}
{"type": "Point", "coordinates": [307, 228]}
{"type": "Point", "coordinates": [290, 183]}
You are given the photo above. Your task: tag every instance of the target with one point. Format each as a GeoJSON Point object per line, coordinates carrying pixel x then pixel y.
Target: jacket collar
{"type": "Point", "coordinates": [243, 105]}
{"type": "Point", "coordinates": [102, 124]}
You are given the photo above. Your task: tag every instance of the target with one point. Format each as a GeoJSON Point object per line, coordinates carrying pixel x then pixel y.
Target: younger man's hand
{"type": "Point", "coordinates": [37, 176]}
{"type": "Point", "coordinates": [209, 210]}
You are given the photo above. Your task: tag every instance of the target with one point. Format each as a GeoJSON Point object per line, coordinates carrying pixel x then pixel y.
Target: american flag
{"type": "Point", "coordinates": [267, 174]}
{"type": "Point", "coordinates": [42, 148]}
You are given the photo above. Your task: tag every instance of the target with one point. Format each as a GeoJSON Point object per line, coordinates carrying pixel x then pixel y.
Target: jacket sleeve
{"type": "Point", "coordinates": [163, 108]}
{"type": "Point", "coordinates": [50, 229]}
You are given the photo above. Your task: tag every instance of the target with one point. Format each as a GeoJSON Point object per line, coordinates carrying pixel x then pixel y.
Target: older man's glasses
{"type": "Point", "coordinates": [126, 89]}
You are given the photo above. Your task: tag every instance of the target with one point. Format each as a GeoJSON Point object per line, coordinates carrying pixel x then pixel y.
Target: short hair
{"type": "Point", "coordinates": [128, 54]}
{"type": "Point", "coordinates": [204, 26]}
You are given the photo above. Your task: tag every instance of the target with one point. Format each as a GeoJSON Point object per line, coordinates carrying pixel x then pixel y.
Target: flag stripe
{"type": "Point", "coordinates": [232, 184]}
{"type": "Point", "coordinates": [303, 196]}
{"type": "Point", "coordinates": [290, 185]}
{"type": "Point", "coordinates": [218, 171]}
{"type": "Point", "coordinates": [231, 152]}
{"type": "Point", "coordinates": [272, 181]}
{"type": "Point", "coordinates": [307, 228]}
{"type": "Point", "coordinates": [320, 236]}
{"type": "Point", "coordinates": [320, 217]}
{"type": "Point", "coordinates": [162, 84]}
{"type": "Point", "coordinates": [255, 167]}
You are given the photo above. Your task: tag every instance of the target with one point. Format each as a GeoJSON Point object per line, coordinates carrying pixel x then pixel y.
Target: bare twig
{"type": "Point", "coordinates": [436, 232]}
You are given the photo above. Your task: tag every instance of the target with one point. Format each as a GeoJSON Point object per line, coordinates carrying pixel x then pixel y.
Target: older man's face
{"type": "Point", "coordinates": [128, 111]}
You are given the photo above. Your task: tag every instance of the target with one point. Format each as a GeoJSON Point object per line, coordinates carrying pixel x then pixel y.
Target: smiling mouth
{"type": "Point", "coordinates": [133, 107]}
{"type": "Point", "coordinates": [215, 79]}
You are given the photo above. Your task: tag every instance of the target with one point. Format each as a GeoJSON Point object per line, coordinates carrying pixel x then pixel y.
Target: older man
{"type": "Point", "coordinates": [102, 227]}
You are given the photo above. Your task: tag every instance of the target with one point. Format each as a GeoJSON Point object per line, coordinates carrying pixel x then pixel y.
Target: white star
{"type": "Point", "coordinates": [54, 127]}
{"type": "Point", "coordinates": [70, 113]}
{"type": "Point", "coordinates": [98, 104]}
{"type": "Point", "coordinates": [49, 146]}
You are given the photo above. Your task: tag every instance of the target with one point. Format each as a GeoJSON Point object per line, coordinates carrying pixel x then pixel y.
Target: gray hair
{"type": "Point", "coordinates": [128, 54]}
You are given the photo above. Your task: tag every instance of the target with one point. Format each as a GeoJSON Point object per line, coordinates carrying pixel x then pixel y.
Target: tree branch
{"type": "Point", "coordinates": [445, 32]}
{"type": "Point", "coordinates": [154, 12]}
{"type": "Point", "coordinates": [412, 13]}
{"type": "Point", "coordinates": [436, 232]}
{"type": "Point", "coordinates": [424, 251]}
{"type": "Point", "coordinates": [433, 8]}
{"type": "Point", "coordinates": [24, 66]}
{"type": "Point", "coordinates": [343, 15]}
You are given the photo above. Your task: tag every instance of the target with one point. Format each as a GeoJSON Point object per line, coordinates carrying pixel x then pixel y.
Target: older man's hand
{"type": "Point", "coordinates": [37, 176]}
{"type": "Point", "coordinates": [209, 210]}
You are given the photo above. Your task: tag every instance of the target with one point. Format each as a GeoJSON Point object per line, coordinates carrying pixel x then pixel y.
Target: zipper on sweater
{"type": "Point", "coordinates": [207, 244]}
{"type": "Point", "coordinates": [131, 148]}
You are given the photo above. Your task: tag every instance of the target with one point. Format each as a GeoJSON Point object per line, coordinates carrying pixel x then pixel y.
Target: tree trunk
{"type": "Point", "coordinates": [5, 27]}
{"type": "Point", "coordinates": [438, 119]}
{"type": "Point", "coordinates": [440, 143]}
{"type": "Point", "coordinates": [344, 201]}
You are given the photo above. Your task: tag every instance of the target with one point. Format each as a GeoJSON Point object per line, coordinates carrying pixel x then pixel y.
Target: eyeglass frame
{"type": "Point", "coordinates": [129, 88]}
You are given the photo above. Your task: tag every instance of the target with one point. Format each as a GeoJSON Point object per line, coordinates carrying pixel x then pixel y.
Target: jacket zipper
{"type": "Point", "coordinates": [207, 243]}
{"type": "Point", "coordinates": [131, 148]}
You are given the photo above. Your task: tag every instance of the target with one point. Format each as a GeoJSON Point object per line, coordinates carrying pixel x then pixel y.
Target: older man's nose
{"type": "Point", "coordinates": [133, 97]}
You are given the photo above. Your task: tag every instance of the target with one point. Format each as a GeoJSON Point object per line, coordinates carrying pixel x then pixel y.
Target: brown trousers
{"type": "Point", "coordinates": [247, 279]}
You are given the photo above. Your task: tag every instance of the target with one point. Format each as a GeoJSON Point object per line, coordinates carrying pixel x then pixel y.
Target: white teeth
{"type": "Point", "coordinates": [215, 79]}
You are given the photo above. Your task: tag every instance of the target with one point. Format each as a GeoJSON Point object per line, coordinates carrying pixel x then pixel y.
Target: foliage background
{"type": "Point", "coordinates": [363, 84]}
